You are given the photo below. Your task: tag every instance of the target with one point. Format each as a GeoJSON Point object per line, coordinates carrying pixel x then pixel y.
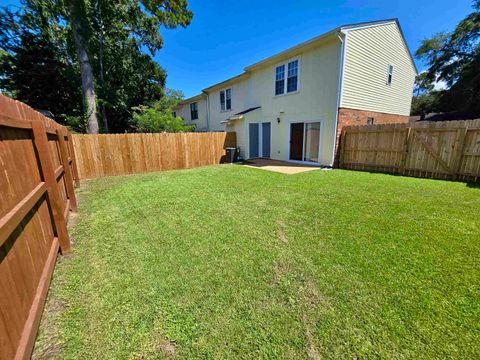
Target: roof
{"type": "Point", "coordinates": [190, 99]}
{"type": "Point", "coordinates": [239, 115]}
{"type": "Point", "coordinates": [447, 116]}
{"type": "Point", "coordinates": [248, 110]}
{"type": "Point", "coordinates": [335, 31]}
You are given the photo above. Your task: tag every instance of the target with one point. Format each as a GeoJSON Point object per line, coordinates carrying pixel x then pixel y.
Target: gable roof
{"type": "Point", "coordinates": [317, 39]}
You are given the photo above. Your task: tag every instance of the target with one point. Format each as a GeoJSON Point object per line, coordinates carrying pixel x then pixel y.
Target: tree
{"type": "Point", "coordinates": [78, 19]}
{"type": "Point", "coordinates": [137, 22]}
{"type": "Point", "coordinates": [455, 59]}
{"type": "Point", "coordinates": [105, 46]}
{"type": "Point", "coordinates": [35, 63]}
{"type": "Point", "coordinates": [159, 117]}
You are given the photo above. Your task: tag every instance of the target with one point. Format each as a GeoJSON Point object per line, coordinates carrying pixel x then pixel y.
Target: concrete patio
{"type": "Point", "coordinates": [283, 167]}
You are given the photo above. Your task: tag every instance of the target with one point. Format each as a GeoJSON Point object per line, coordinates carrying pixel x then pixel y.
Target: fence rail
{"type": "Point", "coordinates": [122, 154]}
{"type": "Point", "coordinates": [37, 179]}
{"type": "Point", "coordinates": [446, 150]}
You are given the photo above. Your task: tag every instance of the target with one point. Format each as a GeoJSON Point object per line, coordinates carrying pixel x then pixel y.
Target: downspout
{"type": "Point", "coordinates": [343, 44]}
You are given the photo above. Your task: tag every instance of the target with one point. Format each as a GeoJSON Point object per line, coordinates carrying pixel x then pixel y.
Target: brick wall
{"type": "Point", "coordinates": [347, 117]}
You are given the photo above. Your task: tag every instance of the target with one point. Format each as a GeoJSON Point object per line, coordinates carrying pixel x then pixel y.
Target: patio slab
{"type": "Point", "coordinates": [283, 167]}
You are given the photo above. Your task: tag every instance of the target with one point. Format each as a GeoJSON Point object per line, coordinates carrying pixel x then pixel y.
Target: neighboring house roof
{"type": "Point", "coordinates": [239, 115]}
{"type": "Point", "coordinates": [448, 116]}
{"type": "Point", "coordinates": [337, 30]}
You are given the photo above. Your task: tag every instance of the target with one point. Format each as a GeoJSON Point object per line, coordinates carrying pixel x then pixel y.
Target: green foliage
{"type": "Point", "coordinates": [230, 262]}
{"type": "Point", "coordinates": [159, 117]}
{"type": "Point", "coordinates": [455, 59]}
{"type": "Point", "coordinates": [424, 104]}
{"type": "Point", "coordinates": [39, 62]}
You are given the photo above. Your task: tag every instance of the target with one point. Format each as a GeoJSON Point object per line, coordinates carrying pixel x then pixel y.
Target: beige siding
{"type": "Point", "coordinates": [238, 126]}
{"type": "Point", "coordinates": [316, 100]}
{"type": "Point", "coordinates": [240, 102]}
{"type": "Point", "coordinates": [369, 51]}
{"type": "Point", "coordinates": [184, 112]}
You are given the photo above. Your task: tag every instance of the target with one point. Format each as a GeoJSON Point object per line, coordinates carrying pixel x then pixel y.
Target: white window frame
{"type": "Point", "coordinates": [285, 84]}
{"type": "Point", "coordinates": [223, 107]}
{"type": "Point", "coordinates": [389, 74]}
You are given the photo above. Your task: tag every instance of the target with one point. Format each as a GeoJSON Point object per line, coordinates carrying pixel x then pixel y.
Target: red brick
{"type": "Point", "coordinates": [347, 117]}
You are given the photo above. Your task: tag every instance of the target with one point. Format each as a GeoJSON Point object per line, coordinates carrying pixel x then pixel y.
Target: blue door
{"type": "Point", "coordinates": [254, 138]}
{"type": "Point", "coordinates": [266, 138]}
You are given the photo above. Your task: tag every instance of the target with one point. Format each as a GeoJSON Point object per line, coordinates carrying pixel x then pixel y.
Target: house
{"type": "Point", "coordinates": [293, 105]}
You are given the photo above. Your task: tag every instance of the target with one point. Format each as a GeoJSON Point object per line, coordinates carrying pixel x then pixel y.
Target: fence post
{"type": "Point", "coordinates": [342, 148]}
{"type": "Point", "coordinates": [458, 151]}
{"type": "Point", "coordinates": [48, 172]}
{"type": "Point", "coordinates": [67, 171]}
{"type": "Point", "coordinates": [406, 148]}
{"type": "Point", "coordinates": [73, 157]}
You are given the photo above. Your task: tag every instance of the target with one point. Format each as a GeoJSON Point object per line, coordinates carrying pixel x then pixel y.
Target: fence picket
{"type": "Point", "coordinates": [449, 150]}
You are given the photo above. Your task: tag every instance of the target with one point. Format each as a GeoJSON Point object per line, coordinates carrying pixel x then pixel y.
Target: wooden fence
{"type": "Point", "coordinates": [121, 154]}
{"type": "Point", "coordinates": [446, 150]}
{"type": "Point", "coordinates": [37, 179]}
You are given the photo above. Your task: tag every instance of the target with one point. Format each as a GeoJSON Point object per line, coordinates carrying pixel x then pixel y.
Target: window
{"type": "Point", "coordinates": [193, 111]}
{"type": "Point", "coordinates": [280, 80]}
{"type": "Point", "coordinates": [369, 121]}
{"type": "Point", "coordinates": [389, 74]}
{"type": "Point", "coordinates": [292, 78]}
{"type": "Point", "coordinates": [286, 83]}
{"type": "Point", "coordinates": [226, 99]}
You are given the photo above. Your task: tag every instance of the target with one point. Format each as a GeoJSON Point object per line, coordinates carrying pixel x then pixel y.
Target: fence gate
{"type": "Point", "coordinates": [447, 150]}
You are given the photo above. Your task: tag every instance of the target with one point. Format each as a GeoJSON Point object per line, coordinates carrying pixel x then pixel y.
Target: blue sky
{"type": "Point", "coordinates": [227, 35]}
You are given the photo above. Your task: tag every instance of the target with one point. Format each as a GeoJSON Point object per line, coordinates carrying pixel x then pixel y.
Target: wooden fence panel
{"type": "Point", "coordinates": [110, 155]}
{"type": "Point", "coordinates": [447, 150]}
{"type": "Point", "coordinates": [34, 203]}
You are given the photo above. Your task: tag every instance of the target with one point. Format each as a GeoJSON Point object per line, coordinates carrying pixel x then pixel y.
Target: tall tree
{"type": "Point", "coordinates": [116, 39]}
{"type": "Point", "coordinates": [455, 59]}
{"type": "Point", "coordinates": [78, 20]}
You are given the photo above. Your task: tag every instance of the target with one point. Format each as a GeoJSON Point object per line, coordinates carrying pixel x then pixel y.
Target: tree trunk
{"type": "Point", "coordinates": [86, 71]}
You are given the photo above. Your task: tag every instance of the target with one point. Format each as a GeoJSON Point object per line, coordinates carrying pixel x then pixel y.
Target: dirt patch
{"type": "Point", "coordinates": [310, 348]}
{"type": "Point", "coordinates": [168, 348]}
{"type": "Point", "coordinates": [50, 346]}
{"type": "Point", "coordinates": [281, 236]}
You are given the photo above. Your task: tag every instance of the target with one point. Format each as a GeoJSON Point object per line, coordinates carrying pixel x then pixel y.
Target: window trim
{"type": "Point", "coordinates": [389, 79]}
{"type": "Point", "coordinates": [285, 84]}
{"type": "Point", "coordinates": [191, 111]}
{"type": "Point", "coordinates": [225, 97]}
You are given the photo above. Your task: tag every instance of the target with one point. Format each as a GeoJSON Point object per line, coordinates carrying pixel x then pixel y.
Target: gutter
{"type": "Point", "coordinates": [343, 45]}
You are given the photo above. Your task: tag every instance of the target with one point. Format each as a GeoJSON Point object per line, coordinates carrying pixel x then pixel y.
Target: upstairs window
{"type": "Point", "coordinates": [286, 82]}
{"type": "Point", "coordinates": [292, 78]}
{"type": "Point", "coordinates": [280, 80]}
{"type": "Point", "coordinates": [194, 111]}
{"type": "Point", "coordinates": [226, 99]}
{"type": "Point", "coordinates": [389, 74]}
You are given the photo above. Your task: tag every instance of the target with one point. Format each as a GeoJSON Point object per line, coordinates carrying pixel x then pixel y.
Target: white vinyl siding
{"type": "Point", "coordinates": [369, 52]}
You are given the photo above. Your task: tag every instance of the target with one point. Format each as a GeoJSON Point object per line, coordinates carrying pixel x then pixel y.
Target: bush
{"type": "Point", "coordinates": [159, 117]}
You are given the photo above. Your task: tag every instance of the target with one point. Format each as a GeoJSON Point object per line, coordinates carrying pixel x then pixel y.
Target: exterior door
{"type": "Point", "coordinates": [305, 141]}
{"type": "Point", "coordinates": [254, 140]}
{"type": "Point", "coordinates": [266, 139]}
{"type": "Point", "coordinates": [296, 141]}
{"type": "Point", "coordinates": [259, 136]}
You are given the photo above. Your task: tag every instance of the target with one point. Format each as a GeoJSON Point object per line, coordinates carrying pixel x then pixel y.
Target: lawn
{"type": "Point", "coordinates": [234, 262]}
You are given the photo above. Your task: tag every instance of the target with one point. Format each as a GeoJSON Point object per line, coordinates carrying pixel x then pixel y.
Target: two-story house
{"type": "Point", "coordinates": [292, 105]}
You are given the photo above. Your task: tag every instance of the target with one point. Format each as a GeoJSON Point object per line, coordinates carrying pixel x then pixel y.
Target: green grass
{"type": "Point", "coordinates": [234, 262]}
